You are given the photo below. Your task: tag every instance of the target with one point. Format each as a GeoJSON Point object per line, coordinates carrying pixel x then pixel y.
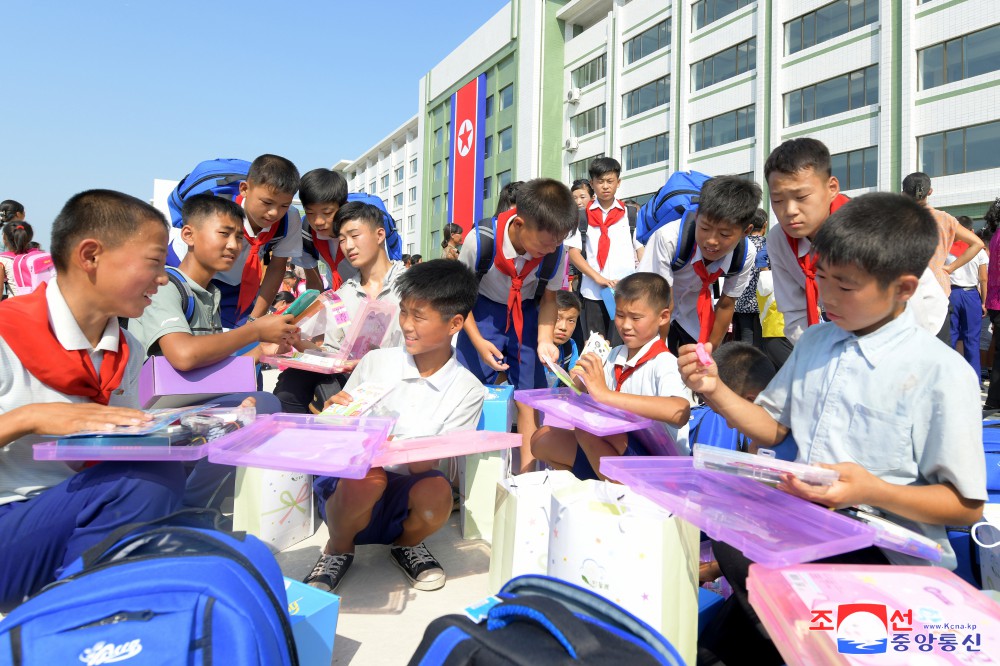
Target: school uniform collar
{"type": "Point", "coordinates": [621, 358]}
{"type": "Point", "coordinates": [354, 282]}
{"type": "Point", "coordinates": [877, 344]}
{"type": "Point", "coordinates": [722, 263]}
{"type": "Point", "coordinates": [439, 381]}
{"type": "Point", "coordinates": [67, 330]}
{"type": "Point", "coordinates": [508, 247]}
{"type": "Point", "coordinates": [596, 205]}
{"type": "Point", "coordinates": [246, 223]}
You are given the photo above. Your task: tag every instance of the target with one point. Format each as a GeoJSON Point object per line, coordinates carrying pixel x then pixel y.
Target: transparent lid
{"type": "Point", "coordinates": [419, 449]}
{"type": "Point", "coordinates": [582, 411]}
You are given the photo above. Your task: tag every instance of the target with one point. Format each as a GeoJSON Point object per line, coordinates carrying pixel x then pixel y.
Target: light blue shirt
{"type": "Point", "coordinates": [897, 401]}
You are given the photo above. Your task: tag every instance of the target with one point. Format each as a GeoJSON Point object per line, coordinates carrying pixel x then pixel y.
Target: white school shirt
{"type": "Point", "coordinates": [657, 377]}
{"type": "Point", "coordinates": [311, 259]}
{"type": "Point", "coordinates": [967, 275]}
{"type": "Point", "coordinates": [495, 285]}
{"type": "Point", "coordinates": [355, 298]}
{"type": "Point", "coordinates": [289, 247]}
{"type": "Point", "coordinates": [451, 399]}
{"type": "Point", "coordinates": [20, 475]}
{"type": "Point", "coordinates": [686, 284]}
{"type": "Point", "coordinates": [897, 401]}
{"type": "Point", "coordinates": [621, 255]}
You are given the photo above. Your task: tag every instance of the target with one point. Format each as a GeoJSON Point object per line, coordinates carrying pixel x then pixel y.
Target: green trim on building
{"type": "Point", "coordinates": [973, 210]}
{"type": "Point", "coordinates": [642, 63]}
{"type": "Point", "coordinates": [828, 49]}
{"type": "Point", "coordinates": [610, 111]}
{"type": "Point", "coordinates": [702, 158]}
{"type": "Point", "coordinates": [676, 80]}
{"type": "Point", "coordinates": [594, 86]}
{"type": "Point", "coordinates": [586, 57]}
{"type": "Point", "coordinates": [747, 12]}
{"type": "Point", "coordinates": [896, 101]}
{"type": "Point", "coordinates": [746, 79]}
{"type": "Point", "coordinates": [956, 93]}
{"type": "Point", "coordinates": [551, 107]}
{"type": "Point", "coordinates": [813, 130]}
{"type": "Point", "coordinates": [936, 8]}
{"type": "Point", "coordinates": [646, 115]}
{"type": "Point", "coordinates": [768, 84]}
{"type": "Point", "coordinates": [641, 25]}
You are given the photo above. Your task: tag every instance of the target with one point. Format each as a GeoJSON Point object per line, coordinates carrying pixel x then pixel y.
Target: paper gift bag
{"type": "Point", "coordinates": [521, 524]}
{"type": "Point", "coordinates": [478, 475]}
{"type": "Point", "coordinates": [276, 507]}
{"type": "Point", "coordinates": [627, 549]}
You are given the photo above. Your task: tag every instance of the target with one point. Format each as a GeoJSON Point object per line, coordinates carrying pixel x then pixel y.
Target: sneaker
{"type": "Point", "coordinates": [329, 571]}
{"type": "Point", "coordinates": [424, 572]}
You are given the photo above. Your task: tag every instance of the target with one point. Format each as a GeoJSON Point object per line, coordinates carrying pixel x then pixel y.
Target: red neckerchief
{"type": "Point", "coordinates": [706, 313]}
{"type": "Point", "coordinates": [957, 248]}
{"type": "Point", "coordinates": [506, 267]}
{"type": "Point", "coordinates": [623, 372]}
{"type": "Point", "coordinates": [24, 327]}
{"type": "Point", "coordinates": [323, 247]}
{"type": "Point", "coordinates": [596, 218]}
{"type": "Point", "coordinates": [808, 266]}
{"type": "Point", "coordinates": [252, 270]}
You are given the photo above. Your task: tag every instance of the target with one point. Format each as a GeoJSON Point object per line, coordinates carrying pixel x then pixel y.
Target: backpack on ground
{"type": "Point", "coordinates": [583, 224]}
{"type": "Point", "coordinates": [677, 196]}
{"type": "Point", "coordinates": [30, 269]}
{"type": "Point", "coordinates": [221, 177]}
{"type": "Point", "coordinates": [486, 230]}
{"type": "Point", "coordinates": [172, 591]}
{"type": "Point", "coordinates": [542, 620]}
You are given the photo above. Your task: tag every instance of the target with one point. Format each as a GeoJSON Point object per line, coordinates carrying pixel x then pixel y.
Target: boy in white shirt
{"type": "Point", "coordinates": [640, 376]}
{"type": "Point", "coordinates": [431, 394]}
{"type": "Point", "coordinates": [726, 209]}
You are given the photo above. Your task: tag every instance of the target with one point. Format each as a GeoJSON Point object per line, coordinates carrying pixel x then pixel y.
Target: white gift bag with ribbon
{"type": "Point", "coordinates": [521, 524]}
{"type": "Point", "coordinates": [276, 507]}
{"type": "Point", "coordinates": [622, 546]}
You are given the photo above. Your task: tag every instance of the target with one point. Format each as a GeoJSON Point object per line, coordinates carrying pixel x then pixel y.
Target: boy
{"type": "Point", "coordinates": [431, 394]}
{"type": "Point", "coordinates": [968, 299]}
{"type": "Point", "coordinates": [640, 376]}
{"type": "Point", "coordinates": [726, 210]}
{"type": "Point", "coordinates": [611, 249]}
{"type": "Point", "coordinates": [509, 322]}
{"type": "Point", "coordinates": [67, 366]}
{"type": "Point", "coordinates": [322, 193]}
{"type": "Point", "coordinates": [360, 232]}
{"type": "Point", "coordinates": [272, 226]}
{"type": "Point", "coordinates": [567, 315]}
{"type": "Point", "coordinates": [875, 394]}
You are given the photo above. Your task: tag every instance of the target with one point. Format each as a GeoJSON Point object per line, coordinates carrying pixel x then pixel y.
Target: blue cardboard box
{"type": "Point", "coordinates": [314, 616]}
{"type": "Point", "coordinates": [497, 409]}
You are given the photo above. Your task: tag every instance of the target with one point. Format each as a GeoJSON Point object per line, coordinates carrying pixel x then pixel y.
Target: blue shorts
{"type": "Point", "coordinates": [525, 371]}
{"type": "Point", "coordinates": [582, 468]}
{"type": "Point", "coordinates": [389, 512]}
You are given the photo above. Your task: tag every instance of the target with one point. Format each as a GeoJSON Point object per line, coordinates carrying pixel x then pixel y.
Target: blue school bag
{"type": "Point", "coordinates": [393, 242]}
{"type": "Point", "coordinates": [172, 591]}
{"type": "Point", "coordinates": [221, 177]}
{"type": "Point", "coordinates": [678, 196]}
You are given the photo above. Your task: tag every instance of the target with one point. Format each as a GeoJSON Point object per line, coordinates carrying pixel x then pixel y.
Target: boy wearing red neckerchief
{"type": "Point", "coordinates": [67, 366]}
{"type": "Point", "coordinates": [322, 193]}
{"type": "Point", "coordinates": [640, 376]}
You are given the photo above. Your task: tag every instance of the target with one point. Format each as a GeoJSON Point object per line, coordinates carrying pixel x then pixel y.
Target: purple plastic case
{"type": "Point", "coordinates": [769, 526]}
{"type": "Point", "coordinates": [419, 449]}
{"type": "Point", "coordinates": [326, 445]}
{"type": "Point", "coordinates": [318, 362]}
{"type": "Point", "coordinates": [72, 452]}
{"type": "Point", "coordinates": [582, 411]}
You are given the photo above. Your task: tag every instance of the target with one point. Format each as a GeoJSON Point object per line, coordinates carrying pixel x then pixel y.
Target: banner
{"type": "Point", "coordinates": [465, 164]}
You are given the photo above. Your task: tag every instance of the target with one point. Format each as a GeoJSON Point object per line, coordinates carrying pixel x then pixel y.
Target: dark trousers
{"type": "Point", "coordinates": [297, 389]}
{"type": "Point", "coordinates": [677, 337]}
{"type": "Point", "coordinates": [993, 397]}
{"type": "Point", "coordinates": [597, 318]}
{"type": "Point", "coordinates": [777, 349]}
{"type": "Point", "coordinates": [746, 328]}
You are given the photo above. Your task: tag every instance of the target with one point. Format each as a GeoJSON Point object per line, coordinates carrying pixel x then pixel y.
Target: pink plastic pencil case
{"type": "Point", "coordinates": [582, 411]}
{"type": "Point", "coordinates": [419, 449]}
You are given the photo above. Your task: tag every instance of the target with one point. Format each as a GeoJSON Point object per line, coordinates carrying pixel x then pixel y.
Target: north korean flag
{"type": "Point", "coordinates": [465, 170]}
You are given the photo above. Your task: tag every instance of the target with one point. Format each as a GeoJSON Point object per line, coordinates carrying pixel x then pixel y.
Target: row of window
{"type": "Point", "coordinates": [856, 169]}
{"type": "Point", "coordinates": [646, 42]}
{"type": "Point", "coordinates": [709, 11]}
{"type": "Point", "coordinates": [591, 120]}
{"type": "Point", "coordinates": [960, 58]}
{"type": "Point", "coordinates": [826, 98]}
{"type": "Point", "coordinates": [724, 128]}
{"type": "Point", "coordinates": [960, 150]}
{"type": "Point", "coordinates": [505, 141]}
{"type": "Point", "coordinates": [581, 168]}
{"type": "Point", "coordinates": [725, 64]}
{"type": "Point", "coordinates": [502, 180]}
{"type": "Point", "coordinates": [827, 22]}
{"type": "Point", "coordinates": [648, 151]}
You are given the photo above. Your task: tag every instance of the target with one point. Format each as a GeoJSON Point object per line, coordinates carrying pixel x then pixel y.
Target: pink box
{"type": "Point", "coordinates": [419, 449]}
{"type": "Point", "coordinates": [582, 411]}
{"type": "Point", "coordinates": [162, 386]}
{"type": "Point", "coordinates": [323, 363]}
{"type": "Point", "coordinates": [825, 614]}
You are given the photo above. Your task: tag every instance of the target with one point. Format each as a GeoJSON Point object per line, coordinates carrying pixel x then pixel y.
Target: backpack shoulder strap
{"type": "Point", "coordinates": [581, 228]}
{"type": "Point", "coordinates": [739, 258]}
{"type": "Point", "coordinates": [685, 241]}
{"type": "Point", "coordinates": [187, 296]}
{"type": "Point", "coordinates": [486, 231]}
{"type": "Point", "coordinates": [22, 272]}
{"type": "Point", "coordinates": [547, 271]}
{"type": "Point", "coordinates": [632, 221]}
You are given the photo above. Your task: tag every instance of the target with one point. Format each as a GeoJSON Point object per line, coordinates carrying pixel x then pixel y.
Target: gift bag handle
{"type": "Point", "coordinates": [551, 616]}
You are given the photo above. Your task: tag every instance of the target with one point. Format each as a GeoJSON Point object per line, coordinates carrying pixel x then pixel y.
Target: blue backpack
{"type": "Point", "coordinates": [393, 242]}
{"type": "Point", "coordinates": [172, 591]}
{"type": "Point", "coordinates": [221, 177]}
{"type": "Point", "coordinates": [677, 196]}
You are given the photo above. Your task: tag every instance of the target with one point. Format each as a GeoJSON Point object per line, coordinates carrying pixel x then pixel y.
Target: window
{"type": "Point", "coordinates": [385, 203]}
{"type": "Point", "coordinates": [411, 222]}
{"type": "Point", "coordinates": [489, 106]}
{"type": "Point", "coordinates": [447, 134]}
{"type": "Point", "coordinates": [589, 121]}
{"type": "Point", "coordinates": [506, 97]}
{"type": "Point", "coordinates": [506, 139]}
{"type": "Point", "coordinates": [371, 187]}
{"type": "Point", "coordinates": [413, 167]}
{"type": "Point", "coordinates": [487, 187]}
{"type": "Point", "coordinates": [725, 64]}
{"type": "Point", "coordinates": [959, 151]}
{"type": "Point", "coordinates": [828, 22]}
{"type": "Point", "coordinates": [399, 174]}
{"type": "Point", "coordinates": [590, 72]}
{"type": "Point", "coordinates": [960, 58]}
{"type": "Point", "coordinates": [439, 137]}
{"type": "Point", "coordinates": [362, 189]}
{"type": "Point", "coordinates": [581, 169]}
{"type": "Point", "coordinates": [721, 129]}
{"type": "Point", "coordinates": [648, 151]}
{"type": "Point", "coordinates": [488, 146]}
{"type": "Point", "coordinates": [643, 198]}
{"type": "Point", "coordinates": [385, 181]}
{"type": "Point", "coordinates": [709, 11]}
{"type": "Point", "coordinates": [649, 96]}
{"type": "Point", "coordinates": [437, 171]}
{"type": "Point", "coordinates": [843, 93]}
{"type": "Point", "coordinates": [503, 179]}
{"type": "Point", "coordinates": [435, 207]}
{"type": "Point", "coordinates": [647, 42]}
{"type": "Point", "coordinates": [413, 194]}
{"type": "Point", "coordinates": [856, 169]}
{"type": "Point", "coordinates": [397, 200]}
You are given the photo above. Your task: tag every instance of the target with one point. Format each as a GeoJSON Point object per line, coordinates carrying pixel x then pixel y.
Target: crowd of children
{"type": "Point", "coordinates": [835, 312]}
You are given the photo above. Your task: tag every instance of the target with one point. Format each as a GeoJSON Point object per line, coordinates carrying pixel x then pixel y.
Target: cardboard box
{"type": "Point", "coordinates": [162, 386]}
{"type": "Point", "coordinates": [314, 616]}
{"type": "Point", "coordinates": [498, 409]}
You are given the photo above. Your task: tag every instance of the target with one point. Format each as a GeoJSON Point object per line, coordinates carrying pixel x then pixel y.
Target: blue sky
{"type": "Point", "coordinates": [116, 93]}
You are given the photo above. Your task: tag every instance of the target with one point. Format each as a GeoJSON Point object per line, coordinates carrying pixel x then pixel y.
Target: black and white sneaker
{"type": "Point", "coordinates": [329, 571]}
{"type": "Point", "coordinates": [424, 572]}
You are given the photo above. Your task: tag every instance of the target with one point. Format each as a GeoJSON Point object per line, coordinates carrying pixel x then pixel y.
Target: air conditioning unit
{"type": "Point", "coordinates": [572, 144]}
{"type": "Point", "coordinates": [573, 96]}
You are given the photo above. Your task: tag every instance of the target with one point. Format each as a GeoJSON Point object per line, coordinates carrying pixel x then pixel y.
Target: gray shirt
{"type": "Point", "coordinates": [166, 315]}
